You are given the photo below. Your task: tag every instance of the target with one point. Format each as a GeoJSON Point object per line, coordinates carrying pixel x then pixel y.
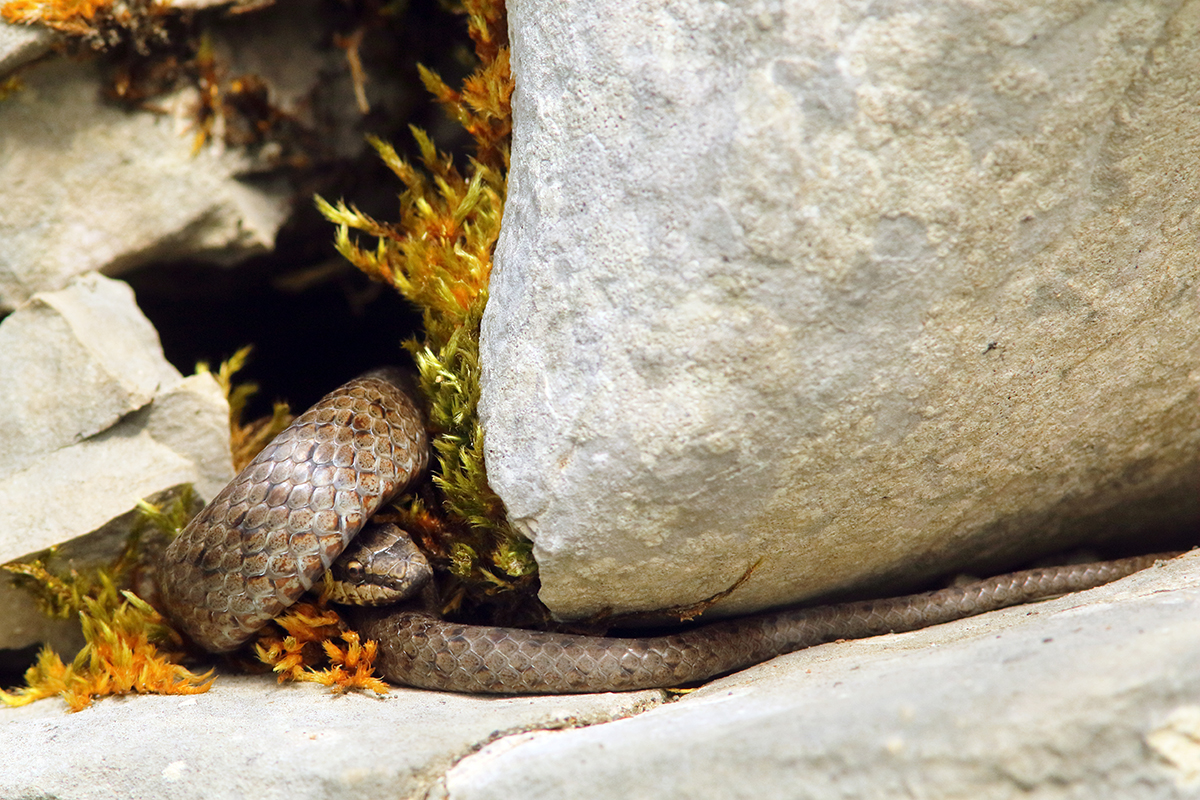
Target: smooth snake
{"type": "Point", "coordinates": [270, 534]}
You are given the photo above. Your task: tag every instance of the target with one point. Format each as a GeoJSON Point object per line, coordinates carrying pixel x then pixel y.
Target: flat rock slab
{"type": "Point", "coordinates": [248, 737]}
{"type": "Point", "coordinates": [1089, 695]}
{"type": "Point", "coordinates": [857, 292]}
{"type": "Point", "coordinates": [91, 186]}
{"type": "Point", "coordinates": [95, 419]}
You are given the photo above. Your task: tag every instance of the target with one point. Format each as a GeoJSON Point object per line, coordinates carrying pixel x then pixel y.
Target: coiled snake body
{"type": "Point", "coordinates": [269, 535]}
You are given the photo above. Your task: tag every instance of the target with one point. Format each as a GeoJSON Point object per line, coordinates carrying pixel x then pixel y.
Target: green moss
{"type": "Point", "coordinates": [438, 255]}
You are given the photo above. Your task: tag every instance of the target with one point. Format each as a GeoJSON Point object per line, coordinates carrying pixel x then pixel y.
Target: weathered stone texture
{"type": "Point", "coordinates": [866, 291]}
{"type": "Point", "coordinates": [94, 420]}
{"type": "Point", "coordinates": [1089, 695]}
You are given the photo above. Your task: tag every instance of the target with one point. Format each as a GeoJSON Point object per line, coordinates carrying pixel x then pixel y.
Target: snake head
{"type": "Point", "coordinates": [380, 567]}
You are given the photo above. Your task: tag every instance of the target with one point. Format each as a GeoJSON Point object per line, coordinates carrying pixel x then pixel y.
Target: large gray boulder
{"type": "Point", "coordinates": [94, 420]}
{"type": "Point", "coordinates": [863, 291]}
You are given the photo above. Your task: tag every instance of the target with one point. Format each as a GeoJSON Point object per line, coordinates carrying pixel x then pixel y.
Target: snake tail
{"type": "Point", "coordinates": [422, 651]}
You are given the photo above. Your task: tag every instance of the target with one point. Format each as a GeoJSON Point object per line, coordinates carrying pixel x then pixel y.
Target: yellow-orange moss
{"type": "Point", "coordinates": [439, 256]}
{"type": "Point", "coordinates": [307, 650]}
{"type": "Point", "coordinates": [99, 24]}
{"type": "Point", "coordinates": [246, 439]}
{"type": "Point", "coordinates": [122, 653]}
{"type": "Point", "coordinates": [71, 16]}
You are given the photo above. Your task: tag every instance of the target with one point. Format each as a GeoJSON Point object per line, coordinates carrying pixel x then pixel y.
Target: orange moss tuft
{"type": "Point", "coordinates": [352, 667]}
{"type": "Point", "coordinates": [100, 24]}
{"type": "Point", "coordinates": [120, 657]}
{"type": "Point", "coordinates": [308, 650]}
{"type": "Point", "coordinates": [73, 16]}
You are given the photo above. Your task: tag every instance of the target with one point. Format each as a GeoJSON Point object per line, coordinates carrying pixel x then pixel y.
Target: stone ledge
{"type": "Point", "coordinates": [1084, 695]}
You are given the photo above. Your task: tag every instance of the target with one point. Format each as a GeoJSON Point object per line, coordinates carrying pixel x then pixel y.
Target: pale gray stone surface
{"type": "Point", "coordinates": [20, 44]}
{"type": "Point", "coordinates": [86, 185]}
{"type": "Point", "coordinates": [249, 738]}
{"type": "Point", "coordinates": [87, 341]}
{"type": "Point", "coordinates": [1091, 695]}
{"type": "Point", "coordinates": [864, 290]}
{"type": "Point", "coordinates": [95, 420]}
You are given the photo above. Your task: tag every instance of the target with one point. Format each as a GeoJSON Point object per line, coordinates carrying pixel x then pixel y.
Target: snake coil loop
{"type": "Point", "coordinates": [285, 519]}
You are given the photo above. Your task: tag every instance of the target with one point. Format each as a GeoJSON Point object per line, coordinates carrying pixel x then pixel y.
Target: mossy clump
{"type": "Point", "coordinates": [308, 649]}
{"type": "Point", "coordinates": [439, 256]}
{"type": "Point", "coordinates": [98, 24]}
{"type": "Point", "coordinates": [129, 646]}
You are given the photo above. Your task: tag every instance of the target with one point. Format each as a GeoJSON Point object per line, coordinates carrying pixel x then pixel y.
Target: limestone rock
{"type": "Point", "coordinates": [1090, 695]}
{"type": "Point", "coordinates": [102, 188]}
{"type": "Point", "coordinates": [20, 44]}
{"type": "Point", "coordinates": [89, 184]}
{"type": "Point", "coordinates": [249, 737]}
{"type": "Point", "coordinates": [865, 291]}
{"type": "Point", "coordinates": [95, 420]}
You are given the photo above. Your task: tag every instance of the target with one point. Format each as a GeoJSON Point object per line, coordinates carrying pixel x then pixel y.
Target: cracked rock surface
{"type": "Point", "coordinates": [866, 291]}
{"type": "Point", "coordinates": [1087, 695]}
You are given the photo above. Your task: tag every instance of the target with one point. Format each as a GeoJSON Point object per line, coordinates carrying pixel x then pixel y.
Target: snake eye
{"type": "Point", "coordinates": [354, 569]}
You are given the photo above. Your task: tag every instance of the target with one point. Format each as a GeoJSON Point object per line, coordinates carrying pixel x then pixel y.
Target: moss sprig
{"type": "Point", "coordinates": [123, 635]}
{"type": "Point", "coordinates": [308, 650]}
{"type": "Point", "coordinates": [168, 517]}
{"type": "Point", "coordinates": [439, 256]}
{"type": "Point", "coordinates": [246, 439]}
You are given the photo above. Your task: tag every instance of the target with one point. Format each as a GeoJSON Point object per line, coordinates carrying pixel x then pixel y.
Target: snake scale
{"type": "Point", "coordinates": [270, 534]}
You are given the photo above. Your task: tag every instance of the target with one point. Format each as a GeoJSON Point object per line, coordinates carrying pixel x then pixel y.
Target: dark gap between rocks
{"type": "Point", "coordinates": [13, 664]}
{"type": "Point", "coordinates": [308, 339]}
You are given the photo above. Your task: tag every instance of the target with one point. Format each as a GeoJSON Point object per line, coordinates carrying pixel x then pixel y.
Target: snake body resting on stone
{"type": "Point", "coordinates": [270, 534]}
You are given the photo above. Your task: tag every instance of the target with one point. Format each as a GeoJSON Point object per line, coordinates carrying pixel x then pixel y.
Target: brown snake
{"type": "Point", "coordinates": [270, 534]}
